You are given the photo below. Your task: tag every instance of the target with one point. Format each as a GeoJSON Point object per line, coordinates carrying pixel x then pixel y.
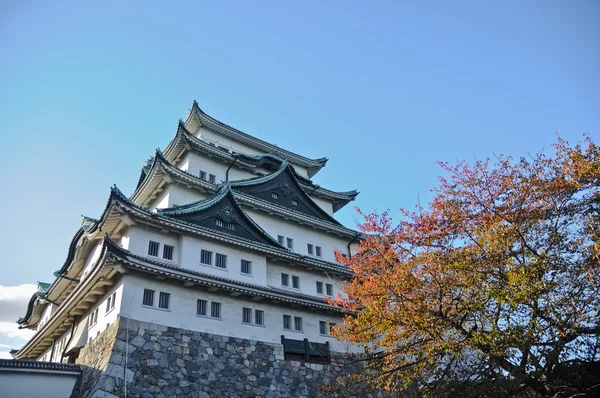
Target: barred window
{"type": "Point", "coordinates": [322, 327]}
{"type": "Point", "coordinates": [163, 300]}
{"type": "Point", "coordinates": [259, 317]}
{"type": "Point", "coordinates": [219, 222]}
{"type": "Point", "coordinates": [221, 261]}
{"type": "Point", "coordinates": [231, 226]}
{"type": "Point", "coordinates": [212, 178]}
{"type": "Point", "coordinates": [203, 175]}
{"type": "Point", "coordinates": [294, 202]}
{"type": "Point", "coordinates": [246, 315]}
{"type": "Point", "coordinates": [329, 288]}
{"type": "Point", "coordinates": [290, 243]}
{"type": "Point", "coordinates": [274, 195]}
{"type": "Point", "coordinates": [148, 297]}
{"type": "Point", "coordinates": [110, 302]}
{"type": "Point", "coordinates": [310, 248]}
{"type": "Point", "coordinates": [246, 267]}
{"type": "Point", "coordinates": [295, 282]}
{"type": "Point", "coordinates": [319, 287]}
{"type": "Point", "coordinates": [93, 318]}
{"type": "Point", "coordinates": [287, 322]}
{"type": "Point", "coordinates": [206, 257]}
{"type": "Point", "coordinates": [280, 239]}
{"type": "Point", "coordinates": [318, 251]}
{"type": "Point", "coordinates": [298, 323]}
{"type": "Point", "coordinates": [201, 307]}
{"type": "Point", "coordinates": [168, 252]}
{"type": "Point", "coordinates": [285, 280]}
{"type": "Point", "coordinates": [153, 248]}
{"type": "Point", "coordinates": [215, 310]}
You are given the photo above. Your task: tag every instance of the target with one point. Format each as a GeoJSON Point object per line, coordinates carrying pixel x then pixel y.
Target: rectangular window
{"type": "Point", "coordinates": [287, 322]}
{"type": "Point", "coordinates": [215, 310]}
{"type": "Point", "coordinates": [231, 226]}
{"type": "Point", "coordinates": [163, 300]}
{"type": "Point", "coordinates": [298, 323]}
{"type": "Point", "coordinates": [246, 315]}
{"type": "Point", "coordinates": [310, 248]}
{"type": "Point", "coordinates": [280, 239]}
{"type": "Point", "coordinates": [219, 222]}
{"type": "Point", "coordinates": [212, 178]}
{"type": "Point", "coordinates": [153, 248]}
{"type": "Point", "coordinates": [221, 261]}
{"type": "Point", "coordinates": [294, 202]}
{"type": "Point", "coordinates": [110, 303]}
{"type": "Point", "coordinates": [318, 251]}
{"type": "Point", "coordinates": [274, 195]}
{"type": "Point", "coordinates": [246, 267]}
{"type": "Point", "coordinates": [201, 307]}
{"type": "Point", "coordinates": [329, 288]}
{"type": "Point", "coordinates": [148, 297]}
{"type": "Point", "coordinates": [168, 252]}
{"type": "Point", "coordinates": [93, 317]}
{"type": "Point", "coordinates": [319, 287]}
{"type": "Point", "coordinates": [259, 317]}
{"type": "Point", "coordinates": [203, 175]}
{"type": "Point", "coordinates": [206, 257]}
{"type": "Point", "coordinates": [285, 280]}
{"type": "Point", "coordinates": [331, 326]}
{"type": "Point", "coordinates": [295, 282]}
{"type": "Point", "coordinates": [290, 243]}
{"type": "Point", "coordinates": [322, 327]}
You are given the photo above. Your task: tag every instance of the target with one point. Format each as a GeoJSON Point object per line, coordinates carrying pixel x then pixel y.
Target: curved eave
{"type": "Point", "coordinates": [197, 117]}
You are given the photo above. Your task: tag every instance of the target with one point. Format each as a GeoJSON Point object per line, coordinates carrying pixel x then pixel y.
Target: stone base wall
{"type": "Point", "coordinates": [159, 362]}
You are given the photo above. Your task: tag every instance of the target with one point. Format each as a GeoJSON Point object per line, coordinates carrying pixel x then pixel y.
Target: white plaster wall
{"type": "Point", "coordinates": [35, 384]}
{"type": "Point", "coordinates": [308, 279]}
{"type": "Point", "coordinates": [176, 195]}
{"type": "Point", "coordinates": [182, 314]}
{"type": "Point", "coordinates": [91, 259]}
{"type": "Point", "coordinates": [140, 237]}
{"type": "Point", "coordinates": [301, 234]}
{"type": "Point", "coordinates": [45, 315]}
{"type": "Point", "coordinates": [105, 319]}
{"type": "Point", "coordinates": [211, 136]}
{"type": "Point", "coordinates": [190, 256]}
{"type": "Point", "coordinates": [162, 201]}
{"type": "Point", "coordinates": [323, 204]}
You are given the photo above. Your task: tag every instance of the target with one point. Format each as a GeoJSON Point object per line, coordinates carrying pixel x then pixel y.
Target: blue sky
{"type": "Point", "coordinates": [384, 89]}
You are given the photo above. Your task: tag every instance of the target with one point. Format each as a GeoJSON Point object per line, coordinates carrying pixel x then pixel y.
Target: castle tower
{"type": "Point", "coordinates": [210, 278]}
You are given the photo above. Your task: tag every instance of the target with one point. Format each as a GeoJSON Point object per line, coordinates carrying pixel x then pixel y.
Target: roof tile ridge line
{"type": "Point", "coordinates": [196, 107]}
{"type": "Point", "coordinates": [260, 179]}
{"type": "Point", "coordinates": [114, 248]}
{"type": "Point", "coordinates": [197, 227]}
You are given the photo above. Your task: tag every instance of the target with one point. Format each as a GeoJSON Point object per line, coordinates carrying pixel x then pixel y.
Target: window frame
{"type": "Point", "coordinates": [150, 247]}
{"type": "Point", "coordinates": [257, 317]}
{"type": "Point", "coordinates": [319, 287]}
{"type": "Point", "coordinates": [318, 251]}
{"type": "Point", "coordinates": [285, 277]}
{"type": "Point", "coordinates": [161, 297]}
{"type": "Point", "coordinates": [295, 282]}
{"type": "Point", "coordinates": [290, 243]}
{"type": "Point", "coordinates": [209, 253]}
{"type": "Point", "coordinates": [172, 249]}
{"type": "Point", "coordinates": [221, 258]}
{"type": "Point", "coordinates": [152, 296]}
{"type": "Point", "coordinates": [247, 316]}
{"type": "Point", "coordinates": [248, 263]}
{"type": "Point", "coordinates": [212, 178]}
{"type": "Point", "coordinates": [199, 306]}
{"type": "Point", "coordinates": [218, 306]}
{"type": "Point", "coordinates": [289, 321]}
{"type": "Point", "coordinates": [310, 248]}
{"type": "Point", "coordinates": [298, 322]}
{"type": "Point", "coordinates": [329, 289]}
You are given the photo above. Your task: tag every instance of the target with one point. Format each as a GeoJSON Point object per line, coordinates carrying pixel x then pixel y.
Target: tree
{"type": "Point", "coordinates": [493, 286]}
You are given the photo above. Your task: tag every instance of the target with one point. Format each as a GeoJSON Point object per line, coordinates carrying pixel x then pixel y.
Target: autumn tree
{"type": "Point", "coordinates": [493, 289]}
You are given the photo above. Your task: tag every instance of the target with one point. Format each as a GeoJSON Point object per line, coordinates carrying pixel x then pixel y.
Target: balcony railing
{"type": "Point", "coordinates": [306, 351]}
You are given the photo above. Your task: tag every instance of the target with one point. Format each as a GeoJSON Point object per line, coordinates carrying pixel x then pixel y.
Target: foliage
{"type": "Point", "coordinates": [495, 285]}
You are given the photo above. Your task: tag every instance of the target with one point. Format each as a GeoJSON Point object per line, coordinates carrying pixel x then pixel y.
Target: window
{"type": "Point", "coordinates": [163, 300]}
{"type": "Point", "coordinates": [295, 282]}
{"type": "Point", "coordinates": [331, 326]}
{"type": "Point", "coordinates": [93, 318]}
{"type": "Point", "coordinates": [319, 287]}
{"type": "Point", "coordinates": [153, 248]}
{"type": "Point", "coordinates": [322, 327]}
{"type": "Point", "coordinates": [285, 280]}
{"type": "Point", "coordinates": [287, 322]}
{"type": "Point", "coordinates": [298, 323]}
{"type": "Point", "coordinates": [246, 315]}
{"type": "Point", "coordinates": [231, 226]}
{"type": "Point", "coordinates": [206, 257]}
{"type": "Point", "coordinates": [310, 248]}
{"type": "Point", "coordinates": [168, 252]}
{"type": "Point", "coordinates": [148, 297]}
{"type": "Point", "coordinates": [215, 310]}
{"type": "Point", "coordinates": [201, 307]}
{"type": "Point", "coordinates": [110, 303]}
{"type": "Point", "coordinates": [318, 251]}
{"type": "Point", "coordinates": [221, 261]}
{"type": "Point", "coordinates": [212, 178]}
{"type": "Point", "coordinates": [246, 267]}
{"type": "Point", "coordinates": [290, 243]}
{"type": "Point", "coordinates": [274, 195]}
{"type": "Point", "coordinates": [329, 288]}
{"type": "Point", "coordinates": [219, 222]}
{"type": "Point", "coordinates": [280, 239]}
{"type": "Point", "coordinates": [294, 202]}
{"type": "Point", "coordinates": [259, 317]}
{"type": "Point", "coordinates": [203, 175]}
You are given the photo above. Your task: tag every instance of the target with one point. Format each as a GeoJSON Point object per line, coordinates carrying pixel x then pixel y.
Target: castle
{"type": "Point", "coordinates": [210, 280]}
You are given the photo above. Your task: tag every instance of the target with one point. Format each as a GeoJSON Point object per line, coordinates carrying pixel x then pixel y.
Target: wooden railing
{"type": "Point", "coordinates": [304, 350]}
